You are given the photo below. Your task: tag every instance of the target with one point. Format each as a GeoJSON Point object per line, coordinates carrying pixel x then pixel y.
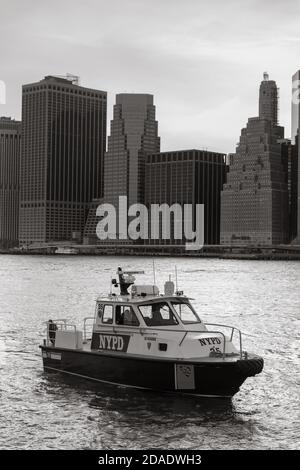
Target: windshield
{"type": "Point", "coordinates": [185, 312]}
{"type": "Point", "coordinates": [158, 314]}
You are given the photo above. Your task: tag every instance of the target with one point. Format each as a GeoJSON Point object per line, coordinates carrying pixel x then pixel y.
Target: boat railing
{"type": "Point", "coordinates": [233, 330]}
{"type": "Point", "coordinates": [61, 325]}
{"type": "Point", "coordinates": [113, 298]}
{"type": "Point", "coordinates": [144, 330]}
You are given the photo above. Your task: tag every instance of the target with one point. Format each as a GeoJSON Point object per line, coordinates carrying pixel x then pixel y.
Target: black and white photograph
{"type": "Point", "coordinates": [149, 229]}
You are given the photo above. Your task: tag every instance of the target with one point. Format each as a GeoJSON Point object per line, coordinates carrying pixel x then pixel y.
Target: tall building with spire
{"type": "Point", "coordinates": [254, 200]}
{"type": "Point", "coordinates": [10, 144]}
{"type": "Point", "coordinates": [268, 100]}
{"type": "Point", "coordinates": [63, 144]}
{"type": "Point", "coordinates": [133, 135]}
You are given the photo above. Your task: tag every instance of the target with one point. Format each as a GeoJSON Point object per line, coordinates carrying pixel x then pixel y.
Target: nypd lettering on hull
{"type": "Point", "coordinates": [107, 342]}
{"type": "Point", "coordinates": [209, 341]}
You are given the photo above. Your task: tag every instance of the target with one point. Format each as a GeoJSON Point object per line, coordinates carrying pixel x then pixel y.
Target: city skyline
{"type": "Point", "coordinates": [199, 68]}
{"type": "Point", "coordinates": [131, 114]}
{"type": "Point", "coordinates": [133, 106]}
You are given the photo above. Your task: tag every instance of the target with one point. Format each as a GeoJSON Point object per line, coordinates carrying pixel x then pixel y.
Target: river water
{"type": "Point", "coordinates": [39, 410]}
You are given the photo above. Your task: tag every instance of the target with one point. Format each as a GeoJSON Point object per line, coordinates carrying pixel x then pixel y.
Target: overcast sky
{"type": "Point", "coordinates": [202, 60]}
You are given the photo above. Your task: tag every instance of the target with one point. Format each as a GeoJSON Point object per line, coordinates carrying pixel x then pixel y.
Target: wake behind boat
{"type": "Point", "coordinates": [144, 339]}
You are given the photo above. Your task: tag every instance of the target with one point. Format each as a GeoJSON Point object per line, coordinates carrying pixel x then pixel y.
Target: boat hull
{"type": "Point", "coordinates": [213, 377]}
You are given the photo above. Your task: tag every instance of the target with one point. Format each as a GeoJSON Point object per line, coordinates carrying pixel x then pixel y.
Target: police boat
{"type": "Point", "coordinates": [143, 339]}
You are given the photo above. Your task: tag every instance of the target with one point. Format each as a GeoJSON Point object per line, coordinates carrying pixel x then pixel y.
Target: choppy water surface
{"type": "Point", "coordinates": [48, 411]}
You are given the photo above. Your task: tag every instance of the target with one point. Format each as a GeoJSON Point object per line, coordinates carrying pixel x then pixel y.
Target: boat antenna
{"type": "Point", "coordinates": [154, 279]}
{"type": "Point", "coordinates": [176, 278]}
{"type": "Point", "coordinates": [111, 283]}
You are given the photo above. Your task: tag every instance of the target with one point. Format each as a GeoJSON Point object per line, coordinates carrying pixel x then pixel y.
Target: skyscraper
{"type": "Point", "coordinates": [290, 161]}
{"type": "Point", "coordinates": [10, 140]}
{"type": "Point", "coordinates": [133, 135]}
{"type": "Point", "coordinates": [268, 100]}
{"type": "Point", "coordinates": [295, 105]}
{"type": "Point", "coordinates": [254, 200]}
{"type": "Point", "coordinates": [295, 140]}
{"type": "Point", "coordinates": [63, 144]}
{"type": "Point", "coordinates": [187, 177]}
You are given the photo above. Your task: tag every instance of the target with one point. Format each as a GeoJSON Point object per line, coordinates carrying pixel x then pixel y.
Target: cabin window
{"type": "Point", "coordinates": [107, 316]}
{"type": "Point", "coordinates": [158, 314]}
{"type": "Point", "coordinates": [126, 316]}
{"type": "Point", "coordinates": [185, 313]}
{"type": "Point", "coordinates": [100, 310]}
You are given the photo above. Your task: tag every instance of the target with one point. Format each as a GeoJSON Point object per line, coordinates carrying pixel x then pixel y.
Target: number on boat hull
{"type": "Point", "coordinates": [184, 377]}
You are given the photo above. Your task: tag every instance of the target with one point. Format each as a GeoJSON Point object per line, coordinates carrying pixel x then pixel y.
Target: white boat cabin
{"type": "Point", "coordinates": [144, 322]}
